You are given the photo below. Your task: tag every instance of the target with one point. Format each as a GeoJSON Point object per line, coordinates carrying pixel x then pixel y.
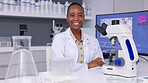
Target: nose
{"type": "Point", "coordinates": [76, 17]}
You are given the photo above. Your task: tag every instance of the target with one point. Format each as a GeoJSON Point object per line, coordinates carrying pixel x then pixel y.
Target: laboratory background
{"type": "Point", "coordinates": [43, 19]}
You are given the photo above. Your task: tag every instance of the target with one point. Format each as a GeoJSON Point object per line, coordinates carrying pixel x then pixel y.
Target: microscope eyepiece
{"type": "Point", "coordinates": [102, 28]}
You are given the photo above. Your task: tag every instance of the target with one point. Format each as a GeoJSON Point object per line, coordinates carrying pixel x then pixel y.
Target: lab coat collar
{"type": "Point", "coordinates": [74, 36]}
{"type": "Point", "coordinates": [68, 36]}
{"type": "Point", "coordinates": [86, 39]}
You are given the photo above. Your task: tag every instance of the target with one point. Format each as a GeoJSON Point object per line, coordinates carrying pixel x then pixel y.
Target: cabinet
{"type": "Point", "coordinates": [117, 6]}
{"type": "Point", "coordinates": [121, 6]}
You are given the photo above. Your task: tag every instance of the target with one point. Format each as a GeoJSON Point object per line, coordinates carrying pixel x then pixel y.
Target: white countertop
{"type": "Point", "coordinates": [96, 76]}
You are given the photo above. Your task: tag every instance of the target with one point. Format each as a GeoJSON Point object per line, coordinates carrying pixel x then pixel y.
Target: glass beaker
{"type": "Point", "coordinates": [21, 67]}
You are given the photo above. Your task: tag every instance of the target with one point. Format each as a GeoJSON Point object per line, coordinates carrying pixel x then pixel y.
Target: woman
{"type": "Point", "coordinates": [82, 49]}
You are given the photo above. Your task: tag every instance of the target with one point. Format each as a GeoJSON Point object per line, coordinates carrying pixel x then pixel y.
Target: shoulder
{"type": "Point", "coordinates": [62, 36]}
{"type": "Point", "coordinates": [91, 38]}
{"type": "Point", "coordinates": [59, 36]}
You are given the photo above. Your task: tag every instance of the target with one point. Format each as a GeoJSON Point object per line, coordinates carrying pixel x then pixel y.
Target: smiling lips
{"type": "Point", "coordinates": [76, 23]}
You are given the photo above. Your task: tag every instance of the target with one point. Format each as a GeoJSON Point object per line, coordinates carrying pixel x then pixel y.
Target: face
{"type": "Point", "coordinates": [75, 17]}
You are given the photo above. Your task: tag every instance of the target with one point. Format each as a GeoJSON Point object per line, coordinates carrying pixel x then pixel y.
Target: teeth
{"type": "Point", "coordinates": [75, 23]}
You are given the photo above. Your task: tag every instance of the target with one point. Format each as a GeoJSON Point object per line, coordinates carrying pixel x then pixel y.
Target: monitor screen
{"type": "Point", "coordinates": [137, 22]}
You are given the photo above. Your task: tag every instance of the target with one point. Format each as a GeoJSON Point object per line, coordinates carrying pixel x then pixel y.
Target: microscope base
{"type": "Point", "coordinates": [119, 71]}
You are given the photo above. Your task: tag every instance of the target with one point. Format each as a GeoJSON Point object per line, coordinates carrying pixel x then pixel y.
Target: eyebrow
{"type": "Point", "coordinates": [78, 13]}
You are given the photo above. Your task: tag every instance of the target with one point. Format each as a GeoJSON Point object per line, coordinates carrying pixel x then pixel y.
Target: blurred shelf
{"type": "Point", "coordinates": [29, 15]}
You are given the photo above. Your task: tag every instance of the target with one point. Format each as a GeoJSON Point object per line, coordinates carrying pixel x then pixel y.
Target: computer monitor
{"type": "Point", "coordinates": [137, 22]}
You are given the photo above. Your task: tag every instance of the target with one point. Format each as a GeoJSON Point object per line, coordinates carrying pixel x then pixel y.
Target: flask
{"type": "Point", "coordinates": [21, 68]}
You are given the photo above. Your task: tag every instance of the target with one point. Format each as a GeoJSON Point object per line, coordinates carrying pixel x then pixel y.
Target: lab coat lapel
{"type": "Point", "coordinates": [69, 38]}
{"type": "Point", "coordinates": [86, 40]}
{"type": "Point", "coordinates": [85, 46]}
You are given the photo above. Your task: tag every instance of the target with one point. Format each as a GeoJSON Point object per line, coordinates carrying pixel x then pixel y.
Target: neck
{"type": "Point", "coordinates": [77, 33]}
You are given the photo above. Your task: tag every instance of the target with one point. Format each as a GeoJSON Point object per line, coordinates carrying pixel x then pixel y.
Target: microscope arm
{"type": "Point", "coordinates": [128, 48]}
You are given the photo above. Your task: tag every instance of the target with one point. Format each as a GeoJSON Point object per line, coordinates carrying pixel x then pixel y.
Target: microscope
{"type": "Point", "coordinates": [125, 63]}
{"type": "Point", "coordinates": [56, 29]}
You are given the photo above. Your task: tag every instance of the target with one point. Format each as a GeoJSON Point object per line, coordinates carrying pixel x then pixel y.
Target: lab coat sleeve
{"type": "Point", "coordinates": [97, 53]}
{"type": "Point", "coordinates": [79, 67]}
{"type": "Point", "coordinates": [58, 46]}
{"type": "Point", "coordinates": [97, 50]}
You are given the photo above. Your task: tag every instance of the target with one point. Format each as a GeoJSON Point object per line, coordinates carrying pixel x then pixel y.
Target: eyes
{"type": "Point", "coordinates": [76, 15]}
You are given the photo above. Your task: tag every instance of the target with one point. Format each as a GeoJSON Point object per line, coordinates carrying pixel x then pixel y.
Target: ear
{"type": "Point", "coordinates": [67, 20]}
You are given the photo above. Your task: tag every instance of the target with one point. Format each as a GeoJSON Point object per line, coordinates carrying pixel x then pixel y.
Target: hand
{"type": "Point", "coordinates": [96, 62]}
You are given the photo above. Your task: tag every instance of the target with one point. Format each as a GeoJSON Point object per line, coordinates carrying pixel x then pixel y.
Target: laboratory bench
{"type": "Point", "coordinates": [96, 75]}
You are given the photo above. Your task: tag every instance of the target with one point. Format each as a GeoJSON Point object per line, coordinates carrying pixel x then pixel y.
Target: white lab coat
{"type": "Point", "coordinates": [64, 46]}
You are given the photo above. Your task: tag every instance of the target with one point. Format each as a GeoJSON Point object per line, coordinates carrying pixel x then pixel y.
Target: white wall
{"type": "Point", "coordinates": [128, 5]}
{"type": "Point", "coordinates": [98, 7]}
{"type": "Point", "coordinates": [145, 4]}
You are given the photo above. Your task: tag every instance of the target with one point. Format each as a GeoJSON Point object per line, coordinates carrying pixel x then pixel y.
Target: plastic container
{"type": "Point", "coordinates": [21, 68]}
{"type": "Point", "coordinates": [37, 7]}
{"type": "Point", "coordinates": [59, 8]}
{"type": "Point", "coordinates": [23, 6]}
{"type": "Point", "coordinates": [61, 66]}
{"type": "Point", "coordinates": [46, 6]}
{"type": "Point", "coordinates": [54, 8]}
{"type": "Point", "coordinates": [42, 4]}
{"type": "Point", "coordinates": [1, 5]}
{"type": "Point", "coordinates": [6, 5]}
{"type": "Point", "coordinates": [12, 5]}
{"type": "Point", "coordinates": [84, 6]}
{"type": "Point", "coordinates": [66, 7]}
{"type": "Point", "coordinates": [32, 6]}
{"type": "Point", "coordinates": [50, 7]}
{"type": "Point", "coordinates": [18, 6]}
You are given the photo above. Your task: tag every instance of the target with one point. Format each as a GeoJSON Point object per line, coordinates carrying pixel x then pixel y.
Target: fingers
{"type": "Point", "coordinates": [99, 59]}
{"type": "Point", "coordinates": [96, 62]}
{"type": "Point", "coordinates": [100, 62]}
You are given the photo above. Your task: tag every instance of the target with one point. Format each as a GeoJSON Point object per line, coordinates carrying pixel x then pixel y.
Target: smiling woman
{"type": "Point", "coordinates": [83, 50]}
